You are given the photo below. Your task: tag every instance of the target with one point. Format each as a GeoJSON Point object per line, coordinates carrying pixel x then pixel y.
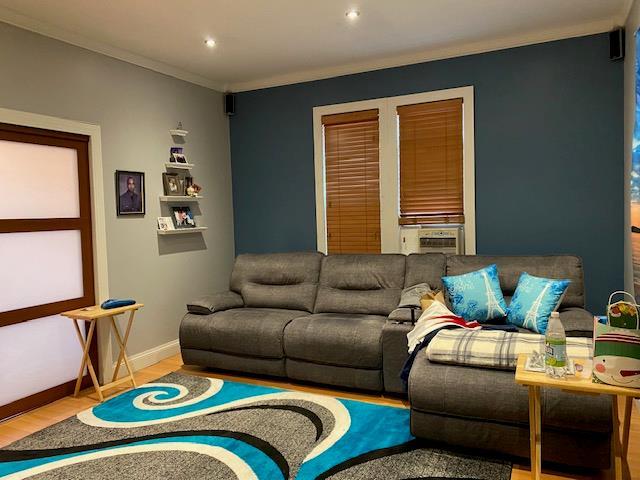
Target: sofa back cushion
{"type": "Point", "coordinates": [510, 267]}
{"type": "Point", "coordinates": [425, 268]}
{"type": "Point", "coordinates": [366, 284]}
{"type": "Point", "coordinates": [277, 280]}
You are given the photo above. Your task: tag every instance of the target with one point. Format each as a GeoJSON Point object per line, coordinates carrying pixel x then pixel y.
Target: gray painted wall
{"type": "Point", "coordinates": [135, 108]}
{"type": "Point", "coordinates": [549, 153]}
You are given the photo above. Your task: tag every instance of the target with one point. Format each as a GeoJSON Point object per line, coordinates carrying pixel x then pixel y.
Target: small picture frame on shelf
{"type": "Point", "coordinates": [183, 218]}
{"type": "Point", "coordinates": [176, 155]}
{"type": "Point", "coordinates": [165, 223]}
{"type": "Point", "coordinates": [129, 193]}
{"type": "Point", "coordinates": [188, 187]}
{"type": "Point", "coordinates": [172, 186]}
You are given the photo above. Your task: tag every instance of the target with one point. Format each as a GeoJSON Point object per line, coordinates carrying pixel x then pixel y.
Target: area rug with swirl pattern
{"type": "Point", "coordinates": [189, 427]}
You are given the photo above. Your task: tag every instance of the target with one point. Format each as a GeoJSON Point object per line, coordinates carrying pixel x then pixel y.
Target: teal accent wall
{"type": "Point", "coordinates": [549, 153]}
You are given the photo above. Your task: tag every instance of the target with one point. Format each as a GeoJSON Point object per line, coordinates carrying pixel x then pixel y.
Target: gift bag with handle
{"type": "Point", "coordinates": [623, 314]}
{"type": "Point", "coordinates": [616, 353]}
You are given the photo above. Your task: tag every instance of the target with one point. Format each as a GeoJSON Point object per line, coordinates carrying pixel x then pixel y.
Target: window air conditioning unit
{"type": "Point", "coordinates": [432, 240]}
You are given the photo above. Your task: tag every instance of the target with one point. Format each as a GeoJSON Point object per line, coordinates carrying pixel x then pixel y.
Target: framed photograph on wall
{"type": "Point", "coordinates": [183, 218]}
{"type": "Point", "coordinates": [130, 193]}
{"type": "Point", "coordinates": [172, 184]}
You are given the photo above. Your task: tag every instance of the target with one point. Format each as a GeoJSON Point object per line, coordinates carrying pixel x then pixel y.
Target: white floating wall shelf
{"type": "Point", "coordinates": [179, 231]}
{"type": "Point", "coordinates": [181, 166]}
{"type": "Point", "coordinates": [176, 132]}
{"type": "Point", "coordinates": [180, 198]}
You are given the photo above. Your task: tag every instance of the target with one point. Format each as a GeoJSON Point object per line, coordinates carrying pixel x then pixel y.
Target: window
{"type": "Point", "coordinates": [425, 170]}
{"type": "Point", "coordinates": [352, 182]}
{"type": "Point", "coordinates": [430, 151]}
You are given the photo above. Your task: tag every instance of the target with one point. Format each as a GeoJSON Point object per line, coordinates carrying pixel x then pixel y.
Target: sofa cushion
{"type": "Point", "coordinates": [493, 395]}
{"type": "Point", "coordinates": [277, 280]}
{"type": "Point", "coordinates": [346, 340]}
{"type": "Point", "coordinates": [367, 284]}
{"type": "Point", "coordinates": [425, 268]}
{"type": "Point", "coordinates": [255, 332]}
{"type": "Point", "coordinates": [560, 267]}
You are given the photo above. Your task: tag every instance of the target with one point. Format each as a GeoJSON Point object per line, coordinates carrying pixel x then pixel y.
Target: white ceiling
{"type": "Point", "coordinates": [271, 42]}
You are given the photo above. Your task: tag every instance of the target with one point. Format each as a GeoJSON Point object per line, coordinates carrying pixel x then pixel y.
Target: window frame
{"type": "Point", "coordinates": [389, 163]}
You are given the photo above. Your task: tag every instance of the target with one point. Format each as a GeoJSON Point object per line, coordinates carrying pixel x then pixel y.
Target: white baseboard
{"type": "Point", "coordinates": [151, 356]}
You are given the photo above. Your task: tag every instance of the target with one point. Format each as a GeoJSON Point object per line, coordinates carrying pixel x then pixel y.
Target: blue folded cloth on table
{"type": "Point", "coordinates": [115, 303]}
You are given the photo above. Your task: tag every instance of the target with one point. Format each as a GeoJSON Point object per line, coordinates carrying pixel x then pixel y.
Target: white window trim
{"type": "Point", "coordinates": [389, 165]}
{"type": "Point", "coordinates": [99, 232]}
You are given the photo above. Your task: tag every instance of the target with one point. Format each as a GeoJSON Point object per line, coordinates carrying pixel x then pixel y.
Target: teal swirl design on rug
{"type": "Point", "coordinates": [235, 430]}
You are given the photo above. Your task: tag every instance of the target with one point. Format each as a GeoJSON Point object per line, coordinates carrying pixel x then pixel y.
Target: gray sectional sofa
{"type": "Point", "coordinates": [325, 319]}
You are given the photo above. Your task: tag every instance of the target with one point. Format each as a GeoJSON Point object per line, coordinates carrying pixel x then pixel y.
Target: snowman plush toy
{"type": "Point", "coordinates": [616, 360]}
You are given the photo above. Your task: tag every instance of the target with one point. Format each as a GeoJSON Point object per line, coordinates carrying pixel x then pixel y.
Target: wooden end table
{"type": "Point", "coordinates": [92, 315]}
{"type": "Point", "coordinates": [579, 384]}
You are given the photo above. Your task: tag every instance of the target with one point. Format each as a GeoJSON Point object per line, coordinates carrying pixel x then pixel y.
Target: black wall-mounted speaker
{"type": "Point", "coordinates": [230, 103]}
{"type": "Point", "coordinates": [616, 44]}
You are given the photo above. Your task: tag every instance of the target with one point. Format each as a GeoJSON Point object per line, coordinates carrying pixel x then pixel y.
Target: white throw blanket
{"type": "Point", "coordinates": [436, 317]}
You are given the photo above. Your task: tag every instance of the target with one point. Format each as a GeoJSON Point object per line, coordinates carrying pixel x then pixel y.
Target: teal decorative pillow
{"type": "Point", "coordinates": [534, 300]}
{"type": "Point", "coordinates": [476, 295]}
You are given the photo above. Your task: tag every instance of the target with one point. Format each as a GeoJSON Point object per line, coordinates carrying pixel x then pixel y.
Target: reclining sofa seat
{"type": "Point", "coordinates": [243, 329]}
{"type": "Point", "coordinates": [341, 342]}
{"type": "Point", "coordinates": [483, 408]}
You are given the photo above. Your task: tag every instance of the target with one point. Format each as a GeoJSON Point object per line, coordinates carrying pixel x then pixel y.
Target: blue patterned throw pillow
{"type": "Point", "coordinates": [534, 300]}
{"type": "Point", "coordinates": [476, 295]}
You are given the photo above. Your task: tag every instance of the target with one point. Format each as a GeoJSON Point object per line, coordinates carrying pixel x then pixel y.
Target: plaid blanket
{"type": "Point", "coordinates": [494, 349]}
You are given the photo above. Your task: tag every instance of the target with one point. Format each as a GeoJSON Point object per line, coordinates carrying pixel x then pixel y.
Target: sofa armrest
{"type": "Point", "coordinates": [405, 314]}
{"type": "Point", "coordinates": [216, 302]}
{"type": "Point", "coordinates": [577, 322]}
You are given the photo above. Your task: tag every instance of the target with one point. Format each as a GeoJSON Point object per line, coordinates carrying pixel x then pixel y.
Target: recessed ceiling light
{"type": "Point", "coordinates": [210, 42]}
{"type": "Point", "coordinates": [352, 14]}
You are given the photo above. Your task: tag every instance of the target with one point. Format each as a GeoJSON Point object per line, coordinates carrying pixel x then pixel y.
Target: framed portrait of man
{"type": "Point", "coordinates": [130, 192]}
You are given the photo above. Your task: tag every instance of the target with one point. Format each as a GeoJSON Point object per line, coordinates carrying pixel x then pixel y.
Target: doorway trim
{"type": "Point", "coordinates": [99, 231]}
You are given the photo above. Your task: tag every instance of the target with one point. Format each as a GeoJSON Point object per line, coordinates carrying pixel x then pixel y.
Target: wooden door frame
{"type": "Point", "coordinates": [103, 349]}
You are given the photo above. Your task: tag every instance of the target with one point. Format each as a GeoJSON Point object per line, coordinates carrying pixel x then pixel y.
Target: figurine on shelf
{"type": "Point", "coordinates": [192, 189]}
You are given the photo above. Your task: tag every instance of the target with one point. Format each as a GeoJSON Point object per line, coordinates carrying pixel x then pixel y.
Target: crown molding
{"type": "Point", "coordinates": [429, 55]}
{"type": "Point", "coordinates": [22, 21]}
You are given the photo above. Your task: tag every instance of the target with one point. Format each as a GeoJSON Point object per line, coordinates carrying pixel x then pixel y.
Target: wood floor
{"type": "Point", "coordinates": [30, 422]}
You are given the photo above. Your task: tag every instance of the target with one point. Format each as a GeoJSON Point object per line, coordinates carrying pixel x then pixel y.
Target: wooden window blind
{"type": "Point", "coordinates": [431, 186]}
{"type": "Point", "coordinates": [352, 181]}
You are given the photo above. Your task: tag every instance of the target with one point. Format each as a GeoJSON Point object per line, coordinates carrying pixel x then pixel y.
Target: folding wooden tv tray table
{"type": "Point", "coordinates": [92, 315]}
{"type": "Point", "coordinates": [578, 384]}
